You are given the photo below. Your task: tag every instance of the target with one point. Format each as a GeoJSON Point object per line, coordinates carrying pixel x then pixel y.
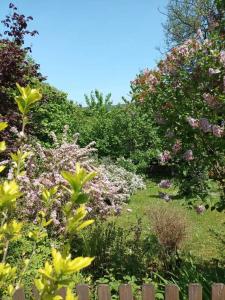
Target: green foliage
{"type": "Point", "coordinates": [123, 131]}
{"type": "Point", "coordinates": [185, 17]}
{"type": "Point", "coordinates": [185, 96]}
{"type": "Point", "coordinates": [97, 103]}
{"type": "Point", "coordinates": [57, 273]}
{"type": "Point", "coordinates": [105, 241]}
{"type": "Point", "coordinates": [53, 114]}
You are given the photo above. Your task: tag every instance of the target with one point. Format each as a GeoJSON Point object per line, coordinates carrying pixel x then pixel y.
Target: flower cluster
{"type": "Point", "coordinates": [107, 191]}
{"type": "Point", "coordinates": [204, 125]}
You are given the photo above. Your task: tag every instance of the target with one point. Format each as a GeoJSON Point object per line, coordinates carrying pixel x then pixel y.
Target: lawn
{"type": "Point", "coordinates": [201, 241]}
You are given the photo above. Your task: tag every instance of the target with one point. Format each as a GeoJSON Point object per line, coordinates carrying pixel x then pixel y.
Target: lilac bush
{"type": "Point", "coordinates": [184, 94]}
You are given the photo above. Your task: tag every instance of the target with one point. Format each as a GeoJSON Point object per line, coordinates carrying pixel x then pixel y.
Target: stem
{"type": "Point", "coordinates": [5, 251]}
{"type": "Point", "coordinates": [23, 123]}
{"type": "Point", "coordinates": [4, 218]}
{"type": "Point", "coordinates": [18, 167]}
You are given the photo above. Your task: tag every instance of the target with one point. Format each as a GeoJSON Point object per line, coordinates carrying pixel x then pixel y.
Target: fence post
{"type": "Point", "coordinates": [104, 292]}
{"type": "Point", "coordinates": [218, 291]}
{"type": "Point", "coordinates": [148, 292]}
{"type": "Point", "coordinates": [83, 292]}
{"type": "Point", "coordinates": [62, 292]}
{"type": "Point", "coordinates": [125, 292]}
{"type": "Point", "coordinates": [195, 291]}
{"type": "Point", "coordinates": [171, 292]}
{"type": "Point", "coordinates": [19, 294]}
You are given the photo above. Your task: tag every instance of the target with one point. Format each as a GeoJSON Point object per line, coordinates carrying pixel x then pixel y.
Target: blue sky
{"type": "Point", "coordinates": [88, 44]}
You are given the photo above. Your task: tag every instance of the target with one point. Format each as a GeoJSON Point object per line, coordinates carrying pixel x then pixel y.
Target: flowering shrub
{"type": "Point", "coordinates": [57, 273]}
{"type": "Point", "coordinates": [185, 95]}
{"type": "Point", "coordinates": [107, 191]}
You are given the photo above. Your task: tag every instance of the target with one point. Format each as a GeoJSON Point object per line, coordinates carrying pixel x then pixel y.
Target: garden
{"type": "Point", "coordinates": [112, 194]}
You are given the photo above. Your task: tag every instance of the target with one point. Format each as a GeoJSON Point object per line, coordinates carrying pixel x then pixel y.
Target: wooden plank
{"type": "Point", "coordinates": [83, 292]}
{"type": "Point", "coordinates": [218, 291]}
{"type": "Point", "coordinates": [195, 291]}
{"type": "Point", "coordinates": [62, 292]}
{"type": "Point", "coordinates": [125, 292]}
{"type": "Point", "coordinates": [148, 292]}
{"type": "Point", "coordinates": [171, 292]}
{"type": "Point", "coordinates": [104, 292]}
{"type": "Point", "coordinates": [19, 294]}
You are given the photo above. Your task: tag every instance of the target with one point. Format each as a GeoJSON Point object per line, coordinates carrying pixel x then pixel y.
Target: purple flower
{"type": "Point", "coordinates": [165, 156]}
{"type": "Point", "coordinates": [200, 209]}
{"type": "Point", "coordinates": [222, 57]}
{"type": "Point", "coordinates": [188, 155]}
{"type": "Point", "coordinates": [193, 122]}
{"type": "Point", "coordinates": [204, 125]}
{"type": "Point", "coordinates": [165, 184]}
{"type": "Point", "coordinates": [177, 146]}
{"type": "Point", "coordinates": [217, 130]}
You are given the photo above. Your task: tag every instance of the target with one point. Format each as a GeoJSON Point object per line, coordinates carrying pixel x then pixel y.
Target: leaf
{"type": "Point", "coordinates": [3, 125]}
{"type": "Point", "coordinates": [2, 168]}
{"type": "Point", "coordinates": [2, 146]}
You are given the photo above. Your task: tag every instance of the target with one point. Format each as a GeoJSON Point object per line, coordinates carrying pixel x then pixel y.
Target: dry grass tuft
{"type": "Point", "coordinates": [170, 226]}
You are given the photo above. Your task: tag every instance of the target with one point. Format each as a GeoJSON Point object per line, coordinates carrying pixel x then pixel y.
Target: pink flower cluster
{"type": "Point", "coordinates": [204, 125]}
{"type": "Point", "coordinates": [222, 58]}
{"type": "Point", "coordinates": [188, 155]}
{"type": "Point", "coordinates": [107, 191]}
{"type": "Point", "coordinates": [165, 184]}
{"type": "Point", "coordinates": [200, 209]}
{"type": "Point", "coordinates": [149, 78]}
{"type": "Point", "coordinates": [177, 146]}
{"type": "Point", "coordinates": [165, 156]}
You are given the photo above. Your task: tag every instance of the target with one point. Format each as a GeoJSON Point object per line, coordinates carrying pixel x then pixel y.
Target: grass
{"type": "Point", "coordinates": [201, 242]}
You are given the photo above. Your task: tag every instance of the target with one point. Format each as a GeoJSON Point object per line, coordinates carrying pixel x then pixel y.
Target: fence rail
{"type": "Point", "coordinates": [125, 292]}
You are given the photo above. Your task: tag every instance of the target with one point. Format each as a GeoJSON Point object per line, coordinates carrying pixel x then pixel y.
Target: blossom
{"type": "Point", "coordinates": [217, 130]}
{"type": "Point", "coordinates": [193, 122]}
{"type": "Point", "coordinates": [165, 184]}
{"type": "Point", "coordinates": [188, 155]}
{"type": "Point", "coordinates": [213, 71]}
{"type": "Point", "coordinates": [164, 156]}
{"type": "Point", "coordinates": [204, 125]}
{"type": "Point", "coordinates": [222, 57]}
{"type": "Point", "coordinates": [200, 209]}
{"type": "Point", "coordinates": [177, 146]}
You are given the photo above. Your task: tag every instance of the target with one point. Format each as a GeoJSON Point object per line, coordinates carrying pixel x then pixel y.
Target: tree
{"type": "Point", "coordinates": [15, 64]}
{"type": "Point", "coordinates": [97, 102]}
{"type": "Point", "coordinates": [185, 17]}
{"type": "Point", "coordinates": [185, 95]}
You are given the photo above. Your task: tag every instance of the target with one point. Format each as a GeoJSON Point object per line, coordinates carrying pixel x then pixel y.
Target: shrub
{"type": "Point", "coordinates": [105, 240]}
{"type": "Point", "coordinates": [185, 96]}
{"type": "Point", "coordinates": [53, 114]}
{"type": "Point", "coordinates": [107, 192]}
{"type": "Point", "coordinates": [56, 273]}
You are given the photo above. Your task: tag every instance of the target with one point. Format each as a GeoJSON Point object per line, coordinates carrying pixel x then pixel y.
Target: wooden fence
{"type": "Point", "coordinates": [148, 293]}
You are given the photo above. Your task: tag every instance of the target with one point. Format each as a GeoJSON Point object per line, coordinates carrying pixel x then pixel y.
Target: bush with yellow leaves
{"type": "Point", "coordinates": [58, 272]}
